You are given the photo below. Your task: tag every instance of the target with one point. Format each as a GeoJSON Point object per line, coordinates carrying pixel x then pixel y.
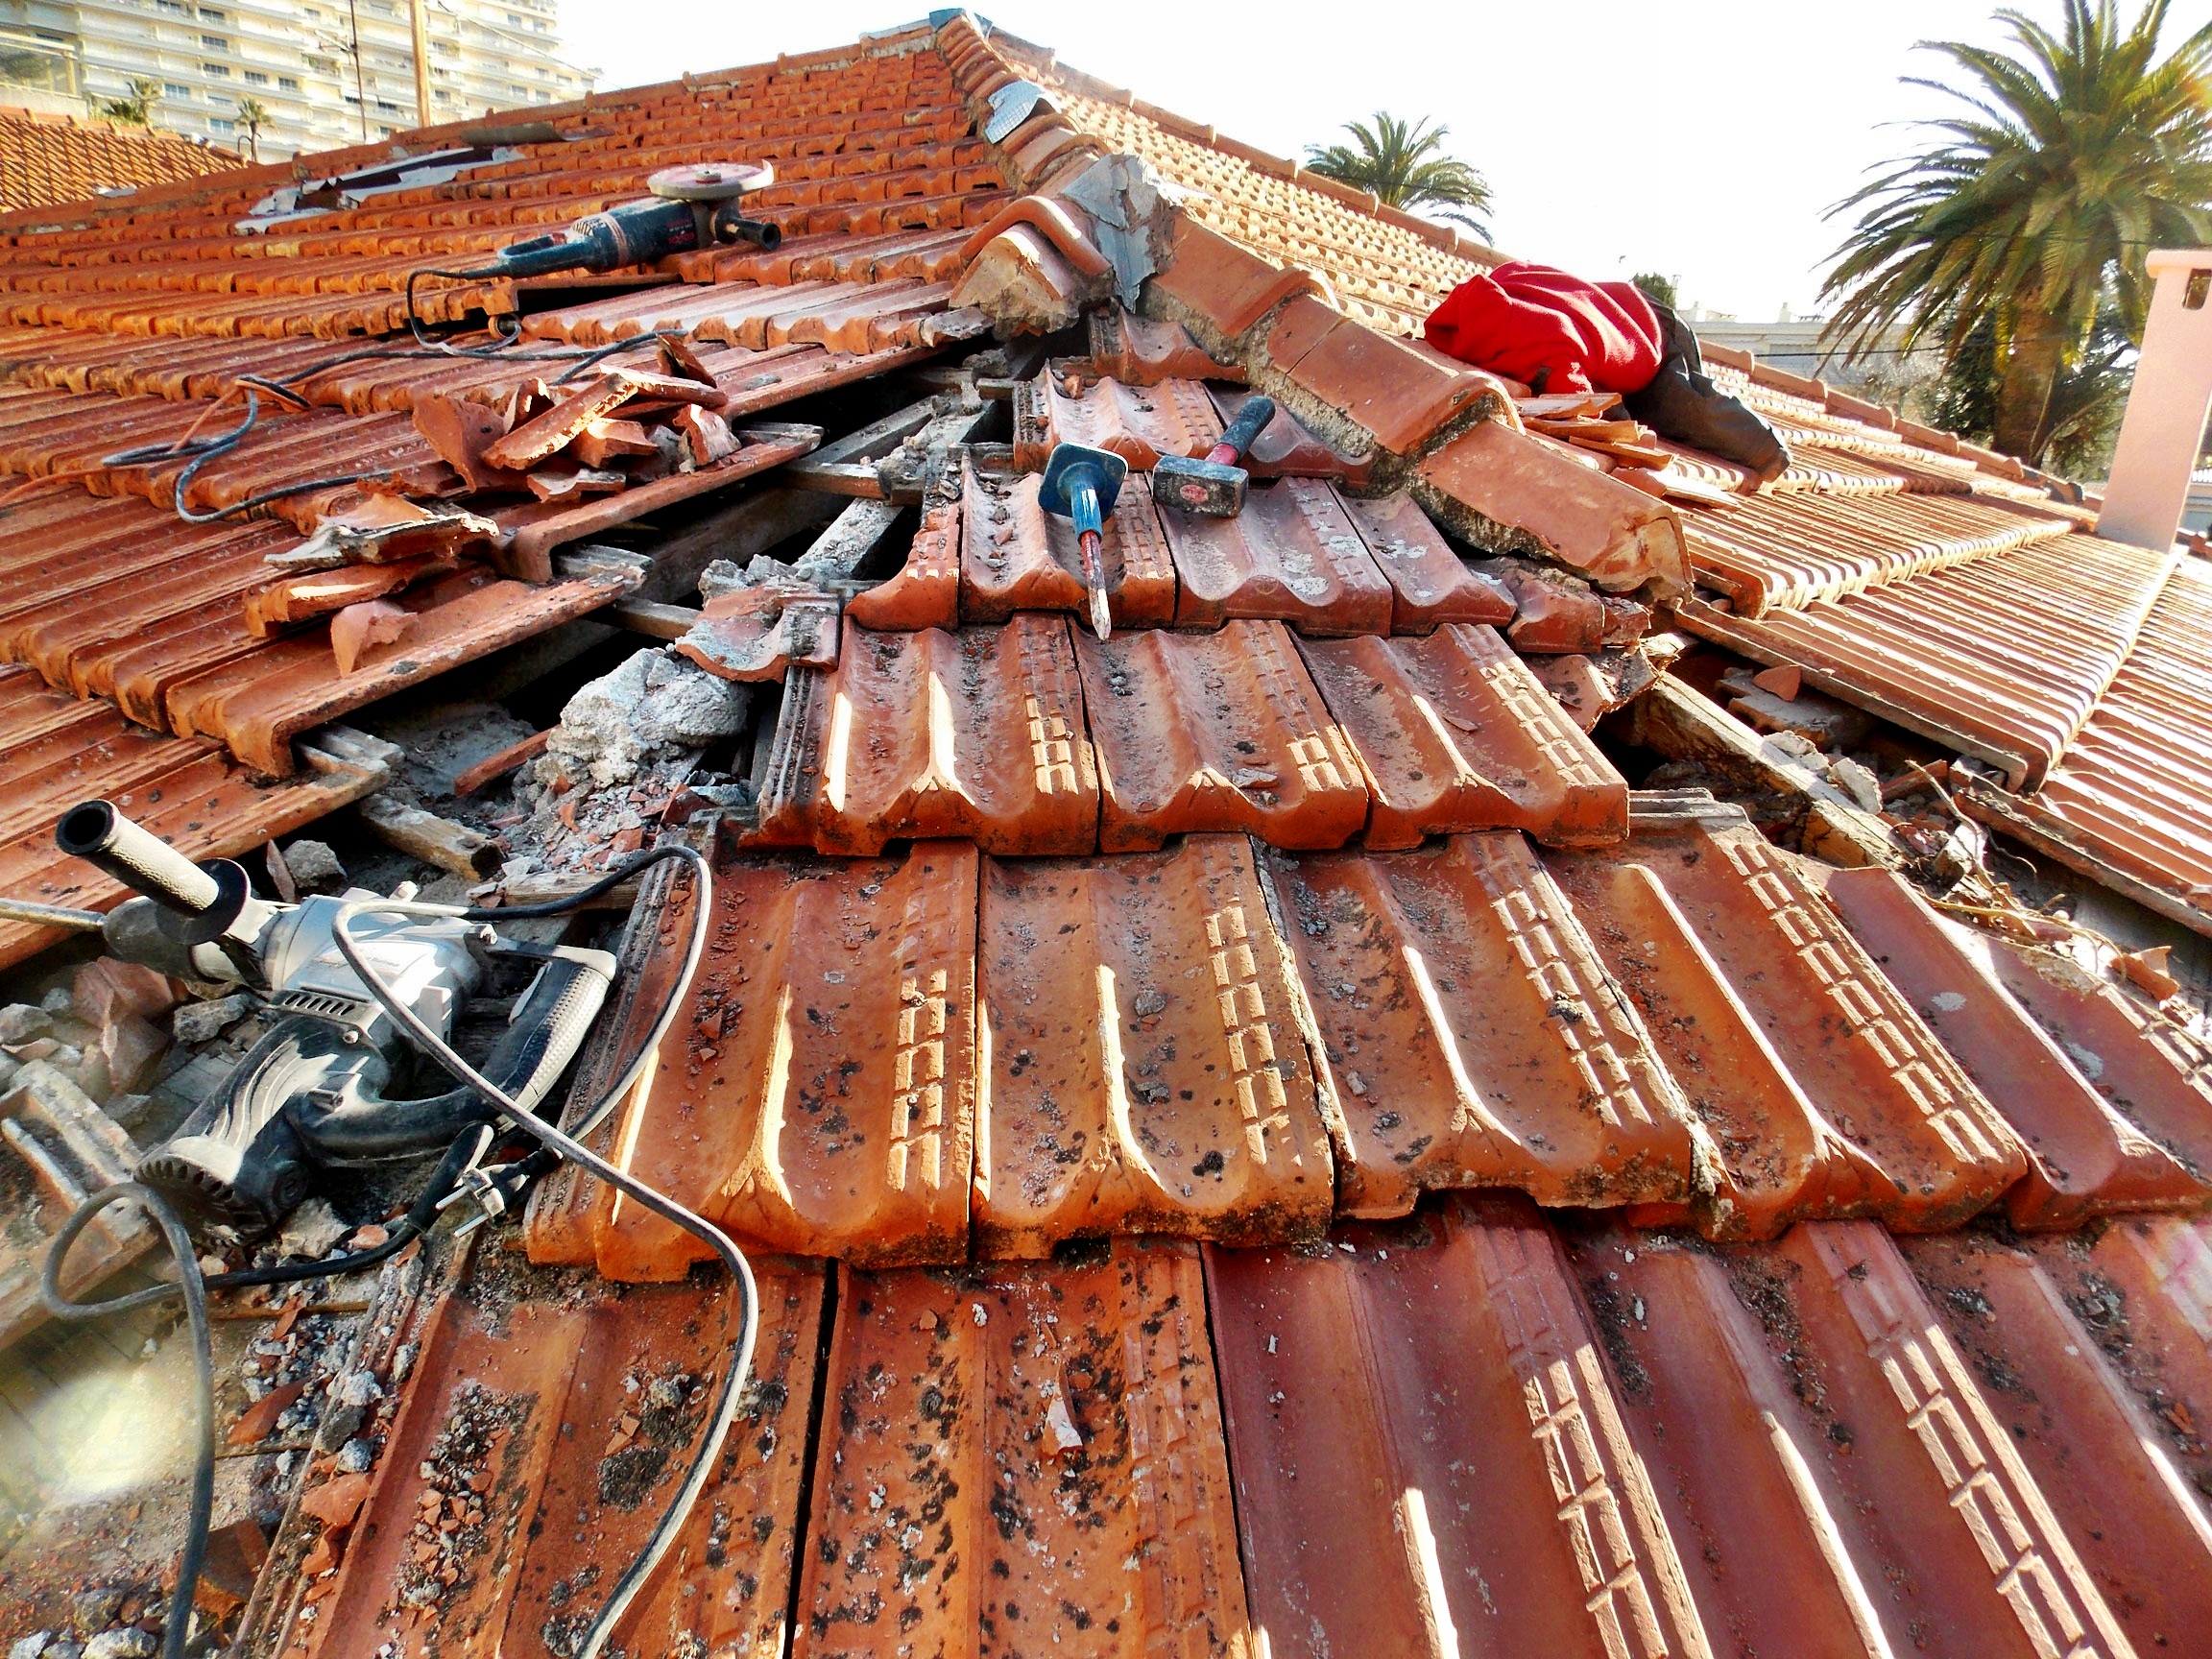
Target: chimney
{"type": "Point", "coordinates": [2166, 407]}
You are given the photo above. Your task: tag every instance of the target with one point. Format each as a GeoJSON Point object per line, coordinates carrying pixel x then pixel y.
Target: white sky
{"type": "Point", "coordinates": [1703, 139]}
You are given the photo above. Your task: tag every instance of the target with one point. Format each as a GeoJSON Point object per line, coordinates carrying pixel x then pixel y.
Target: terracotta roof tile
{"type": "Point", "coordinates": [1997, 656]}
{"type": "Point", "coordinates": [1452, 732]}
{"type": "Point", "coordinates": [1026, 1457]}
{"type": "Point", "coordinates": [49, 159]}
{"type": "Point", "coordinates": [1147, 1072]}
{"type": "Point", "coordinates": [1224, 730]}
{"type": "Point", "coordinates": [1429, 1452]}
{"type": "Point", "coordinates": [2085, 1158]}
{"type": "Point", "coordinates": [1473, 1038]}
{"type": "Point", "coordinates": [977, 734]}
{"type": "Point", "coordinates": [1926, 1149]}
{"type": "Point", "coordinates": [1292, 554]}
{"type": "Point", "coordinates": [1015, 555]}
{"type": "Point", "coordinates": [555, 1425]}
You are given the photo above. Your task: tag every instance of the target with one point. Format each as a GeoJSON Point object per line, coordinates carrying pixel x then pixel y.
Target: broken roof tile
{"type": "Point", "coordinates": [1140, 350]}
{"type": "Point", "coordinates": [1028, 1455]}
{"type": "Point", "coordinates": [1146, 1070]}
{"type": "Point", "coordinates": [1472, 1037]}
{"type": "Point", "coordinates": [817, 1091]}
{"type": "Point", "coordinates": [977, 733]}
{"type": "Point", "coordinates": [925, 590]}
{"type": "Point", "coordinates": [1220, 731]}
{"type": "Point", "coordinates": [1453, 733]}
{"type": "Point", "coordinates": [1015, 556]}
{"type": "Point", "coordinates": [1292, 554]}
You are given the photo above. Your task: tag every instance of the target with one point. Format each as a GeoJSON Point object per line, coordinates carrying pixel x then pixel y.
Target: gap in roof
{"type": "Point", "coordinates": [1703, 141]}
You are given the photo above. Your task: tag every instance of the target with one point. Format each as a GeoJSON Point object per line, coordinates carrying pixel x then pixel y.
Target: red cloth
{"type": "Point", "coordinates": [1520, 319]}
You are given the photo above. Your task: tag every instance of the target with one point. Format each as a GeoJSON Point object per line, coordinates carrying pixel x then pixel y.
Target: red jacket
{"type": "Point", "coordinates": [1522, 319]}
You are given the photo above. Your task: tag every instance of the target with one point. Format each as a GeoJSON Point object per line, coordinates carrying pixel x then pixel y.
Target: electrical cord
{"type": "Point", "coordinates": [554, 1140]}
{"type": "Point", "coordinates": [193, 1289]}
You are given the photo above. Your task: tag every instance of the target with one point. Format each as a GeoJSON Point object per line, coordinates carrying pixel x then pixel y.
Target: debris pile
{"type": "Point", "coordinates": [627, 744]}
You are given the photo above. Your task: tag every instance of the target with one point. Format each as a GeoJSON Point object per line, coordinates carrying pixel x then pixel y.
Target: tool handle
{"type": "Point", "coordinates": [99, 836]}
{"type": "Point", "coordinates": [1250, 420]}
{"type": "Point", "coordinates": [1083, 506]}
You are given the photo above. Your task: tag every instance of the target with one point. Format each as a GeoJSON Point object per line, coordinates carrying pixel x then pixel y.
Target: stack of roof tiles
{"type": "Point", "coordinates": [49, 159]}
{"type": "Point", "coordinates": [1261, 1142]}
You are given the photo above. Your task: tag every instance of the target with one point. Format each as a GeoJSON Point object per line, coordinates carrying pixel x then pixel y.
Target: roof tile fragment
{"type": "Point", "coordinates": [1505, 491]}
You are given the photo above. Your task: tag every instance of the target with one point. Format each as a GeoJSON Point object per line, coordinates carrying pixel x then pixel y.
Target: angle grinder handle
{"type": "Point", "coordinates": [99, 836]}
{"type": "Point", "coordinates": [555, 1015]}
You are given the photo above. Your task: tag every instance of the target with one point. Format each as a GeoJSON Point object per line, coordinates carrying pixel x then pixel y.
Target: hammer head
{"type": "Point", "coordinates": [1071, 466]}
{"type": "Point", "coordinates": [1208, 487]}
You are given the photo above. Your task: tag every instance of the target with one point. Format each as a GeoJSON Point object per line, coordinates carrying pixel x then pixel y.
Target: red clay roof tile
{"type": "Point", "coordinates": [1292, 554]}
{"type": "Point", "coordinates": [1452, 732]}
{"type": "Point", "coordinates": [1429, 1455]}
{"type": "Point", "coordinates": [2085, 1158]}
{"type": "Point", "coordinates": [977, 734]}
{"type": "Point", "coordinates": [819, 1092]}
{"type": "Point", "coordinates": [555, 1425]}
{"type": "Point", "coordinates": [1430, 583]}
{"type": "Point", "coordinates": [1800, 1406]}
{"type": "Point", "coordinates": [1014, 555]}
{"type": "Point", "coordinates": [1224, 730]}
{"type": "Point", "coordinates": [1146, 1067]}
{"type": "Point", "coordinates": [1472, 1039]}
{"type": "Point", "coordinates": [1850, 1040]}
{"type": "Point", "coordinates": [1028, 1458]}
{"type": "Point", "coordinates": [1495, 487]}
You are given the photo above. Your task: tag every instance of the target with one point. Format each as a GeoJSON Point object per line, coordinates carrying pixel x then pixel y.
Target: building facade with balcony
{"type": "Point", "coordinates": [328, 72]}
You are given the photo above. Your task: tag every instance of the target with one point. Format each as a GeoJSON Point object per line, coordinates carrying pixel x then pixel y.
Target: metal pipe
{"type": "Point", "coordinates": [49, 915]}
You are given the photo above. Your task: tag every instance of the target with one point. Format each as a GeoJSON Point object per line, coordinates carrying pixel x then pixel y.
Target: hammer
{"type": "Point", "coordinates": [1083, 484]}
{"type": "Point", "coordinates": [1215, 485]}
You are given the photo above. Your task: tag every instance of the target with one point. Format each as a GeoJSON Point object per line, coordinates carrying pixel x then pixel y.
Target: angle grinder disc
{"type": "Point", "coordinates": [711, 180]}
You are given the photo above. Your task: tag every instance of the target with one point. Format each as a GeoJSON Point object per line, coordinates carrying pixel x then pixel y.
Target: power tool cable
{"type": "Point", "coordinates": [445, 1181]}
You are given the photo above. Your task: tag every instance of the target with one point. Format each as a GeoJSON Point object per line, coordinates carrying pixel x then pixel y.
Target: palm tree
{"type": "Point", "coordinates": [1401, 164]}
{"type": "Point", "coordinates": [2080, 153]}
{"type": "Point", "coordinates": [137, 108]}
{"type": "Point", "coordinates": [254, 115]}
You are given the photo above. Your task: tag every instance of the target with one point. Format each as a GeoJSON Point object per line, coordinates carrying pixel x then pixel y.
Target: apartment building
{"type": "Point", "coordinates": [328, 71]}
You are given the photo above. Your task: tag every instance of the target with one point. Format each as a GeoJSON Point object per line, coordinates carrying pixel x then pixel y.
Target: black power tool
{"type": "Point", "coordinates": [690, 208]}
{"type": "Point", "coordinates": [311, 1093]}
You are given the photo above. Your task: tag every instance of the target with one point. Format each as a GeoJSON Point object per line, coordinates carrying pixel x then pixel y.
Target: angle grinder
{"type": "Point", "coordinates": [688, 208]}
{"type": "Point", "coordinates": [312, 1093]}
